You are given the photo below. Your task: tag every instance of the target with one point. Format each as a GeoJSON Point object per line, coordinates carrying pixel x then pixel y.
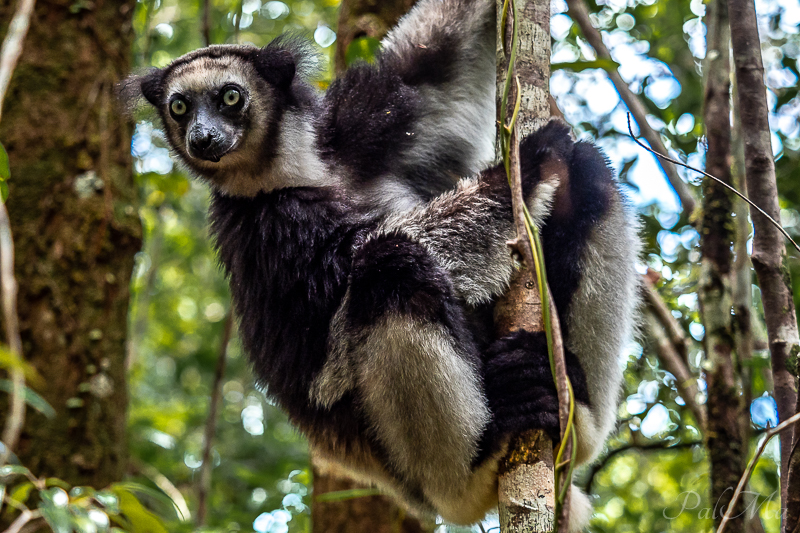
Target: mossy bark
{"type": "Point", "coordinates": [724, 436]}
{"type": "Point", "coordinates": [73, 210]}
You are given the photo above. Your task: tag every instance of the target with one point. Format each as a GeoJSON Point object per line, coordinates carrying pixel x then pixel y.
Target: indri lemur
{"type": "Point", "coordinates": [365, 242]}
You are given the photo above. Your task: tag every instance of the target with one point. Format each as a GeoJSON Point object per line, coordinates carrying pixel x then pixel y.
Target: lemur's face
{"type": "Point", "coordinates": [209, 106]}
{"type": "Point", "coordinates": [221, 107]}
{"type": "Point", "coordinates": [210, 121]}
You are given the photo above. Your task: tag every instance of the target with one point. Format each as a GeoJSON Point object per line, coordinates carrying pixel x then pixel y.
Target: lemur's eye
{"type": "Point", "coordinates": [231, 97]}
{"type": "Point", "coordinates": [178, 107]}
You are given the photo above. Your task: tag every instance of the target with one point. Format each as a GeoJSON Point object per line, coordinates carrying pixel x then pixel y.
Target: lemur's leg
{"type": "Point", "coordinates": [407, 353]}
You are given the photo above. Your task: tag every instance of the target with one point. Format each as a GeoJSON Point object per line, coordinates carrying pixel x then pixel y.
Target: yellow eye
{"type": "Point", "coordinates": [178, 107]}
{"type": "Point", "coordinates": [231, 97]}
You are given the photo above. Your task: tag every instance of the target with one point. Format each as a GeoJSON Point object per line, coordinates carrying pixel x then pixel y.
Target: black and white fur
{"type": "Point", "coordinates": [364, 268]}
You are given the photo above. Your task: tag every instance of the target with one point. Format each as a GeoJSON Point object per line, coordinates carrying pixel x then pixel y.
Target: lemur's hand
{"type": "Point", "coordinates": [519, 385]}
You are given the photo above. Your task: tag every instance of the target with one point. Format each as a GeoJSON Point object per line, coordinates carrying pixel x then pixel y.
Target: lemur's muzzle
{"type": "Point", "coordinates": [207, 144]}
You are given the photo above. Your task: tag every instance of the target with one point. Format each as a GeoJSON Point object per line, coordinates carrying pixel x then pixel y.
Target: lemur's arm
{"type": "Point", "coordinates": [423, 116]}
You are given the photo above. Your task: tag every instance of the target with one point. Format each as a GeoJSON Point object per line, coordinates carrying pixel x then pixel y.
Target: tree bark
{"type": "Point", "coordinates": [363, 514]}
{"type": "Point", "coordinates": [769, 252]}
{"type": "Point", "coordinates": [724, 437]}
{"type": "Point", "coordinates": [526, 477]}
{"type": "Point", "coordinates": [370, 514]}
{"type": "Point", "coordinates": [73, 211]}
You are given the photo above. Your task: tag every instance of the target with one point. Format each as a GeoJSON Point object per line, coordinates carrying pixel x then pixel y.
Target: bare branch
{"type": "Point", "coordinates": [657, 305]}
{"type": "Point", "coordinates": [9, 55]}
{"type": "Point", "coordinates": [579, 13]}
{"type": "Point", "coordinates": [16, 416]}
{"type": "Point", "coordinates": [751, 466]}
{"type": "Point", "coordinates": [672, 361]}
{"type": "Point", "coordinates": [206, 22]}
{"type": "Point", "coordinates": [12, 45]}
{"type": "Point", "coordinates": [769, 250]}
{"type": "Point", "coordinates": [653, 446]}
{"type": "Point", "coordinates": [25, 517]}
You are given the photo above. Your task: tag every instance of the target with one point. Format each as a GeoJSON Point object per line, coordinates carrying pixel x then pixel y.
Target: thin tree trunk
{"type": "Point", "coordinates": [526, 475]}
{"type": "Point", "coordinates": [769, 252]}
{"type": "Point", "coordinates": [73, 211]}
{"type": "Point", "coordinates": [371, 514]}
{"type": "Point", "coordinates": [725, 406]}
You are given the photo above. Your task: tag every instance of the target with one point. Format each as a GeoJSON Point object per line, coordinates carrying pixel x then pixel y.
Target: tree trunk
{"type": "Point", "coordinates": [725, 405]}
{"type": "Point", "coordinates": [73, 211]}
{"type": "Point", "coordinates": [769, 252]}
{"type": "Point", "coordinates": [366, 514]}
{"type": "Point", "coordinates": [362, 514]}
{"type": "Point", "coordinates": [526, 476]}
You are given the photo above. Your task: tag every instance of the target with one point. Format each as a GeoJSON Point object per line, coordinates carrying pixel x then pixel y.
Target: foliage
{"type": "Point", "coordinates": [261, 476]}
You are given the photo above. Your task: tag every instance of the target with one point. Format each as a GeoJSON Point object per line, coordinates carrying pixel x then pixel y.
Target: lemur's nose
{"type": "Point", "coordinates": [200, 142]}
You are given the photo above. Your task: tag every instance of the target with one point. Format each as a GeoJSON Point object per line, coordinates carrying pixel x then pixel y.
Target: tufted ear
{"type": "Point", "coordinates": [276, 65]}
{"type": "Point", "coordinates": [149, 85]}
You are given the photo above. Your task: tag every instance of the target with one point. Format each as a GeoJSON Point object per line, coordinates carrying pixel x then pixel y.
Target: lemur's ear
{"type": "Point", "coordinates": [276, 65]}
{"type": "Point", "coordinates": [149, 85]}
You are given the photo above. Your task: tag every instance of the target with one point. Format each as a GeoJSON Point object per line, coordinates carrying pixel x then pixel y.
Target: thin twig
{"type": "Point", "coordinates": [685, 381]}
{"type": "Point", "coordinates": [655, 446]}
{"type": "Point", "coordinates": [12, 45]}
{"type": "Point", "coordinates": [706, 174]}
{"type": "Point", "coordinates": [676, 334]}
{"type": "Point", "coordinates": [26, 516]}
{"type": "Point", "coordinates": [16, 415]}
{"type": "Point", "coordinates": [9, 55]}
{"type": "Point", "coordinates": [751, 466]}
{"type": "Point", "coordinates": [211, 423]}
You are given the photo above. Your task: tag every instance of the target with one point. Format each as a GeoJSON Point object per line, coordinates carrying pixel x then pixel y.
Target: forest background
{"type": "Point", "coordinates": [124, 379]}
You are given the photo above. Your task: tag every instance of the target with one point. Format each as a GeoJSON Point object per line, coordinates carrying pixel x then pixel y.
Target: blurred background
{"type": "Point", "coordinates": [654, 475]}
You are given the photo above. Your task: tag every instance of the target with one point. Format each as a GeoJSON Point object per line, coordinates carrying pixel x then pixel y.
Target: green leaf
{"type": "Point", "coordinates": [161, 497]}
{"type": "Point", "coordinates": [21, 492]}
{"type": "Point", "coordinates": [55, 482]}
{"type": "Point", "coordinates": [362, 49]}
{"type": "Point", "coordinates": [141, 520]}
{"type": "Point", "coordinates": [31, 398]}
{"type": "Point", "coordinates": [9, 359]}
{"type": "Point", "coordinates": [5, 170]}
{"type": "Point", "coordinates": [339, 495]}
{"type": "Point", "coordinates": [576, 66]}
{"type": "Point", "coordinates": [9, 470]}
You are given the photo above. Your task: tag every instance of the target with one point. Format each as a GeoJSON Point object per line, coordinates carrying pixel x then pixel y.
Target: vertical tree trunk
{"type": "Point", "coordinates": [769, 252]}
{"type": "Point", "coordinates": [73, 212]}
{"type": "Point", "coordinates": [725, 406]}
{"type": "Point", "coordinates": [526, 483]}
{"type": "Point", "coordinates": [363, 514]}
{"type": "Point", "coordinates": [369, 514]}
